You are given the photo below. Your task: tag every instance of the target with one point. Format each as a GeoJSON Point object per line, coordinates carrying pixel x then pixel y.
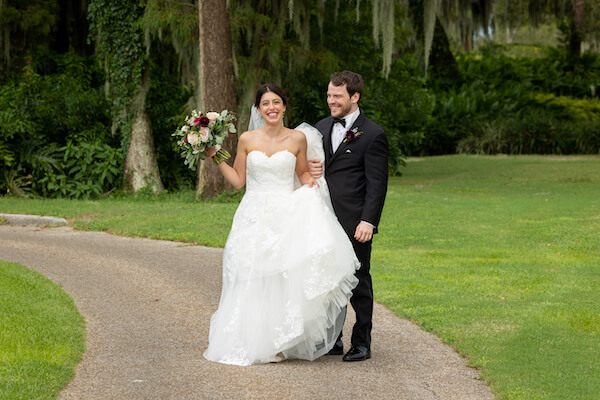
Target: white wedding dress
{"type": "Point", "coordinates": [288, 268]}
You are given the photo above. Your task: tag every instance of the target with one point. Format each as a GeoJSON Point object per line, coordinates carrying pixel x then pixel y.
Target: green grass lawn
{"type": "Point", "coordinates": [42, 335]}
{"type": "Point", "coordinates": [498, 256]}
{"type": "Point", "coordinates": [173, 216]}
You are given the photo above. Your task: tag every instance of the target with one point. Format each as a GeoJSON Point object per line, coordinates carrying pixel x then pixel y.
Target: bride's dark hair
{"type": "Point", "coordinates": [269, 87]}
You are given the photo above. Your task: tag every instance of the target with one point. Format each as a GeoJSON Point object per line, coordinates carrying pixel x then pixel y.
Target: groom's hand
{"type": "Point", "coordinates": [364, 232]}
{"type": "Point", "coordinates": [315, 168]}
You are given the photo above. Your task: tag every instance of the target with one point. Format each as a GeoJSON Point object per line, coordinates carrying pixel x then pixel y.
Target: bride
{"type": "Point", "coordinates": [288, 266]}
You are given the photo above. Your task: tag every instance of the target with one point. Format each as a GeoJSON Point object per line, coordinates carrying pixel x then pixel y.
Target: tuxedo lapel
{"type": "Point", "coordinates": [342, 147]}
{"type": "Point", "coordinates": [338, 151]}
{"type": "Point", "coordinates": [327, 139]}
{"type": "Point", "coordinates": [359, 121]}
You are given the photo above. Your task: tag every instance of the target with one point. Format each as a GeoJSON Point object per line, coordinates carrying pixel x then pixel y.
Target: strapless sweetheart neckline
{"type": "Point", "coordinates": [288, 270]}
{"type": "Point", "coordinates": [272, 155]}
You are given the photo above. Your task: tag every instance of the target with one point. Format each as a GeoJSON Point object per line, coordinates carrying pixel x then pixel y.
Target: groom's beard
{"type": "Point", "coordinates": [342, 111]}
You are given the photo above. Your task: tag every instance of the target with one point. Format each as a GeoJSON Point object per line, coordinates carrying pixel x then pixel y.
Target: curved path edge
{"type": "Point", "coordinates": [37, 220]}
{"type": "Point", "coordinates": [148, 303]}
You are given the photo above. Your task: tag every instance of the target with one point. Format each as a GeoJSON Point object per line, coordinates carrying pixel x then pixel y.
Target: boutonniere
{"type": "Point", "coordinates": [351, 135]}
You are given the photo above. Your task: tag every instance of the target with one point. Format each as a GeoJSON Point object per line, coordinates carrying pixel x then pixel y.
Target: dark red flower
{"type": "Point", "coordinates": [201, 121]}
{"type": "Point", "coordinates": [351, 135]}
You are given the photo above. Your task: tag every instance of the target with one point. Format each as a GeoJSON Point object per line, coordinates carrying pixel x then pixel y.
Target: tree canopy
{"type": "Point", "coordinates": [106, 82]}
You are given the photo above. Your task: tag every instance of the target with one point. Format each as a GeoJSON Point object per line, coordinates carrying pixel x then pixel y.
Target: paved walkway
{"type": "Point", "coordinates": [147, 305]}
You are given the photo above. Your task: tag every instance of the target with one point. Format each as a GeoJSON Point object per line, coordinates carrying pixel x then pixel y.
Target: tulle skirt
{"type": "Point", "coordinates": [288, 272]}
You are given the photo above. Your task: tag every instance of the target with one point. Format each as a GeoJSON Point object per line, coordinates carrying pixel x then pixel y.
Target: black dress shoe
{"type": "Point", "coordinates": [337, 349]}
{"type": "Point", "coordinates": [358, 353]}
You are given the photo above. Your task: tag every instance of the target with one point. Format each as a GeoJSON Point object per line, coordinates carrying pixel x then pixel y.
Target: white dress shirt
{"type": "Point", "coordinates": [338, 133]}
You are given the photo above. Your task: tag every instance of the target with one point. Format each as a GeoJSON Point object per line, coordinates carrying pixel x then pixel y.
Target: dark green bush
{"type": "Point", "coordinates": [166, 106]}
{"type": "Point", "coordinates": [401, 104]}
{"type": "Point", "coordinates": [562, 75]}
{"type": "Point", "coordinates": [403, 107]}
{"type": "Point", "coordinates": [516, 106]}
{"type": "Point", "coordinates": [539, 132]}
{"type": "Point", "coordinates": [57, 102]}
{"type": "Point", "coordinates": [86, 170]}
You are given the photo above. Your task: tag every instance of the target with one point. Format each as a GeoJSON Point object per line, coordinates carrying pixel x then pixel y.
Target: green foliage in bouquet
{"type": "Point", "coordinates": [201, 132]}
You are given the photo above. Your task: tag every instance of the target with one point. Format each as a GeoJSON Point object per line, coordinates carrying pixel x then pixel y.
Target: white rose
{"type": "Point", "coordinates": [212, 116]}
{"type": "Point", "coordinates": [193, 139]}
{"type": "Point", "coordinates": [204, 134]}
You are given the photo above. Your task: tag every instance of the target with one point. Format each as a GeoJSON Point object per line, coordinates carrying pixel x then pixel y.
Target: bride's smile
{"type": "Point", "coordinates": [271, 107]}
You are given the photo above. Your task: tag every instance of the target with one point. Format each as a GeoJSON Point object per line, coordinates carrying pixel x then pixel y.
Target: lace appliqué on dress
{"type": "Point", "coordinates": [288, 270]}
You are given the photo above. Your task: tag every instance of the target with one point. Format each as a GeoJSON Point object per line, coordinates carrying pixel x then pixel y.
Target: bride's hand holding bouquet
{"type": "Point", "coordinates": [202, 136]}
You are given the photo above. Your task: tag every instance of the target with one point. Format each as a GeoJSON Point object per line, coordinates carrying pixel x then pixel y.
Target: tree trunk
{"type": "Point", "coordinates": [508, 34]}
{"type": "Point", "coordinates": [467, 38]}
{"type": "Point", "coordinates": [141, 166]}
{"type": "Point", "coordinates": [442, 61]}
{"type": "Point", "coordinates": [217, 85]}
{"type": "Point", "coordinates": [73, 28]}
{"type": "Point", "coordinates": [415, 8]}
{"type": "Point", "coordinates": [577, 28]}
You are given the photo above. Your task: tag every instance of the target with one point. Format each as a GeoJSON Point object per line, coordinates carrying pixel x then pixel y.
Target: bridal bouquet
{"type": "Point", "coordinates": [202, 132]}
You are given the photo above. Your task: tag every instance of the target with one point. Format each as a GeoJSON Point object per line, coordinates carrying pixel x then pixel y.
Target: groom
{"type": "Point", "coordinates": [356, 170]}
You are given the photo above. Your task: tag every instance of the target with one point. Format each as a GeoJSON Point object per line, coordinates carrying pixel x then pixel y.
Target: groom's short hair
{"type": "Point", "coordinates": [352, 80]}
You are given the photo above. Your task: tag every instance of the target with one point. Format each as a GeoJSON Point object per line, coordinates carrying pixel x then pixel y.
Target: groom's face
{"type": "Point", "coordinates": [339, 101]}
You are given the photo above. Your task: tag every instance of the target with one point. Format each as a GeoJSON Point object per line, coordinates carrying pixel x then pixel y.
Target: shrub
{"type": "Point", "coordinates": [516, 105]}
{"type": "Point", "coordinates": [403, 107]}
{"type": "Point", "coordinates": [539, 132]}
{"type": "Point", "coordinates": [577, 109]}
{"type": "Point", "coordinates": [42, 117]}
{"type": "Point", "coordinates": [86, 170]}
{"type": "Point", "coordinates": [165, 107]}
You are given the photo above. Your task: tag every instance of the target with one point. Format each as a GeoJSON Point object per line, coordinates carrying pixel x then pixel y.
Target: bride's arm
{"type": "Point", "coordinates": [236, 175]}
{"type": "Point", "coordinates": [302, 165]}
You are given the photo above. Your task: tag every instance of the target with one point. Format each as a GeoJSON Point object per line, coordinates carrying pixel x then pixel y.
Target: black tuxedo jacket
{"type": "Point", "coordinates": [357, 173]}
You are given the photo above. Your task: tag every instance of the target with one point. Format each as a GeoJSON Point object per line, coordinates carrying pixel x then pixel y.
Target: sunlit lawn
{"type": "Point", "coordinates": [498, 256]}
{"type": "Point", "coordinates": [41, 335]}
{"type": "Point", "coordinates": [174, 216]}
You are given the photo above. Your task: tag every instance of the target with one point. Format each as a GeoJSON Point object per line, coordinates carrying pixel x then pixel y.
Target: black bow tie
{"type": "Point", "coordinates": [340, 121]}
